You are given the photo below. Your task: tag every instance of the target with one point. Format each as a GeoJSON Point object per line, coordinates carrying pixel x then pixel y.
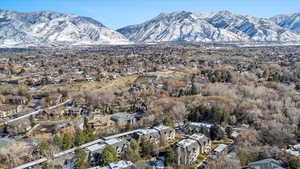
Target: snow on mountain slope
{"type": "Point", "coordinates": [291, 22]}
{"type": "Point", "coordinates": [207, 27]}
{"type": "Point", "coordinates": [51, 28]}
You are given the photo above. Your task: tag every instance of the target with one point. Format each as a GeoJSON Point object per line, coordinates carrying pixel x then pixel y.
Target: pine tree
{"type": "Point", "coordinates": [57, 141]}
{"type": "Point", "coordinates": [80, 159]}
{"type": "Point", "coordinates": [80, 138]}
{"type": "Point", "coordinates": [170, 155]}
{"type": "Point", "coordinates": [67, 142]}
{"type": "Point", "coordinates": [146, 147]}
{"type": "Point", "coordinates": [131, 155]}
{"type": "Point", "coordinates": [44, 146]}
{"type": "Point", "coordinates": [109, 155]}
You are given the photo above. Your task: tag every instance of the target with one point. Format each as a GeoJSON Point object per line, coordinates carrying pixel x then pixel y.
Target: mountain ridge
{"type": "Point", "coordinates": [50, 28]}
{"type": "Point", "coordinates": [208, 27]}
{"type": "Point", "coordinates": [46, 28]}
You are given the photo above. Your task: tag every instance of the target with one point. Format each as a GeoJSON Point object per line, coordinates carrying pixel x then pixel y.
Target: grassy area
{"type": "Point", "coordinates": [118, 84]}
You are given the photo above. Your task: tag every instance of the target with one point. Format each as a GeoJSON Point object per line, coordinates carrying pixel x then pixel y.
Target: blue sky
{"type": "Point", "coordinates": [119, 13]}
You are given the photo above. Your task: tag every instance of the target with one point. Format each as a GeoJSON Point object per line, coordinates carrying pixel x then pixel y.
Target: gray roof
{"type": "Point", "coordinates": [122, 116]}
{"type": "Point", "coordinates": [201, 124]}
{"type": "Point", "coordinates": [117, 165]}
{"type": "Point", "coordinates": [186, 142]}
{"type": "Point", "coordinates": [95, 147]}
{"type": "Point", "coordinates": [266, 164]}
{"type": "Point", "coordinates": [220, 148]}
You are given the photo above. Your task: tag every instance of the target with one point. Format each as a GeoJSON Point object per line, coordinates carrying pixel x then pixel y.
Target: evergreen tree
{"type": "Point", "coordinates": [170, 155]}
{"type": "Point", "coordinates": [216, 133]}
{"type": "Point", "coordinates": [67, 142]}
{"type": "Point", "coordinates": [131, 155]}
{"type": "Point", "coordinates": [80, 159]}
{"type": "Point", "coordinates": [44, 146]}
{"type": "Point", "coordinates": [228, 131]}
{"type": "Point", "coordinates": [57, 141]}
{"type": "Point", "coordinates": [109, 155]}
{"type": "Point", "coordinates": [146, 147]}
{"type": "Point", "coordinates": [79, 138]}
{"type": "Point", "coordinates": [168, 121]}
{"type": "Point", "coordinates": [88, 131]}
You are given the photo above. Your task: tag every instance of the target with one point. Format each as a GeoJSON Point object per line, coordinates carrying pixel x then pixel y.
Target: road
{"type": "Point", "coordinates": [36, 112]}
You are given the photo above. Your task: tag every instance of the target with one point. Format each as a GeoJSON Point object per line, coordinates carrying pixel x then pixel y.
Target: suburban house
{"type": "Point", "coordinates": [202, 127]}
{"type": "Point", "coordinates": [166, 131]}
{"type": "Point", "coordinates": [118, 165]}
{"type": "Point", "coordinates": [122, 119]}
{"type": "Point", "coordinates": [266, 164]}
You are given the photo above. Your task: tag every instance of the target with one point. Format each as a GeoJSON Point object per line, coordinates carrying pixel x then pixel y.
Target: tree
{"type": "Point", "coordinates": [131, 155]}
{"type": "Point", "coordinates": [80, 159]}
{"type": "Point", "coordinates": [88, 131]}
{"type": "Point", "coordinates": [216, 133]}
{"type": "Point", "coordinates": [45, 165]}
{"type": "Point", "coordinates": [109, 155]}
{"type": "Point", "coordinates": [168, 121]}
{"type": "Point", "coordinates": [57, 141]}
{"type": "Point", "coordinates": [228, 131]}
{"type": "Point", "coordinates": [79, 138]}
{"type": "Point", "coordinates": [294, 164]}
{"type": "Point", "coordinates": [216, 114]}
{"type": "Point", "coordinates": [67, 142]}
{"type": "Point", "coordinates": [44, 146]}
{"type": "Point", "coordinates": [135, 146]}
{"type": "Point", "coordinates": [146, 147]}
{"type": "Point", "coordinates": [170, 155]}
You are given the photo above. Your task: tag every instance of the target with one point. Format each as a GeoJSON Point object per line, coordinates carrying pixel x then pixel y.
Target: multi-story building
{"type": "Point", "coordinates": [198, 127]}
{"type": "Point", "coordinates": [166, 131]}
{"type": "Point", "coordinates": [189, 149]}
{"type": "Point", "coordinates": [149, 133]}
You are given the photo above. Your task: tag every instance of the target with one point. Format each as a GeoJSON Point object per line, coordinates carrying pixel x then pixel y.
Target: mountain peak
{"type": "Point", "coordinates": [207, 27]}
{"type": "Point", "coordinates": [45, 28]}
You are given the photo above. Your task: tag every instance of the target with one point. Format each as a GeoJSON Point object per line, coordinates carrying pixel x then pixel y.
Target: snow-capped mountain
{"type": "Point", "coordinates": [221, 26]}
{"type": "Point", "coordinates": [51, 28]}
{"type": "Point", "coordinates": [291, 22]}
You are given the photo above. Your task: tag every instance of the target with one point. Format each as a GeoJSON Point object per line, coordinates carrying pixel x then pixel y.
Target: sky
{"type": "Point", "coordinates": [119, 13]}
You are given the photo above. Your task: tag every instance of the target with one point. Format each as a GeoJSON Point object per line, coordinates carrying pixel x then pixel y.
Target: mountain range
{"type": "Point", "coordinates": [47, 28]}
{"type": "Point", "coordinates": [221, 26]}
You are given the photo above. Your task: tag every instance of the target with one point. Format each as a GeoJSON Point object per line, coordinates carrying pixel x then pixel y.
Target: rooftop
{"type": "Point", "coordinates": [113, 141]}
{"type": "Point", "coordinates": [201, 124]}
{"type": "Point", "coordinates": [198, 136]}
{"type": "Point", "coordinates": [123, 115]}
{"type": "Point", "coordinates": [162, 127]}
{"type": "Point", "coordinates": [148, 131]}
{"type": "Point", "coordinates": [186, 142]}
{"type": "Point", "coordinates": [95, 147]}
{"type": "Point", "coordinates": [268, 162]}
{"type": "Point", "coordinates": [220, 148]}
{"type": "Point", "coordinates": [117, 165]}
{"type": "Point", "coordinates": [120, 164]}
